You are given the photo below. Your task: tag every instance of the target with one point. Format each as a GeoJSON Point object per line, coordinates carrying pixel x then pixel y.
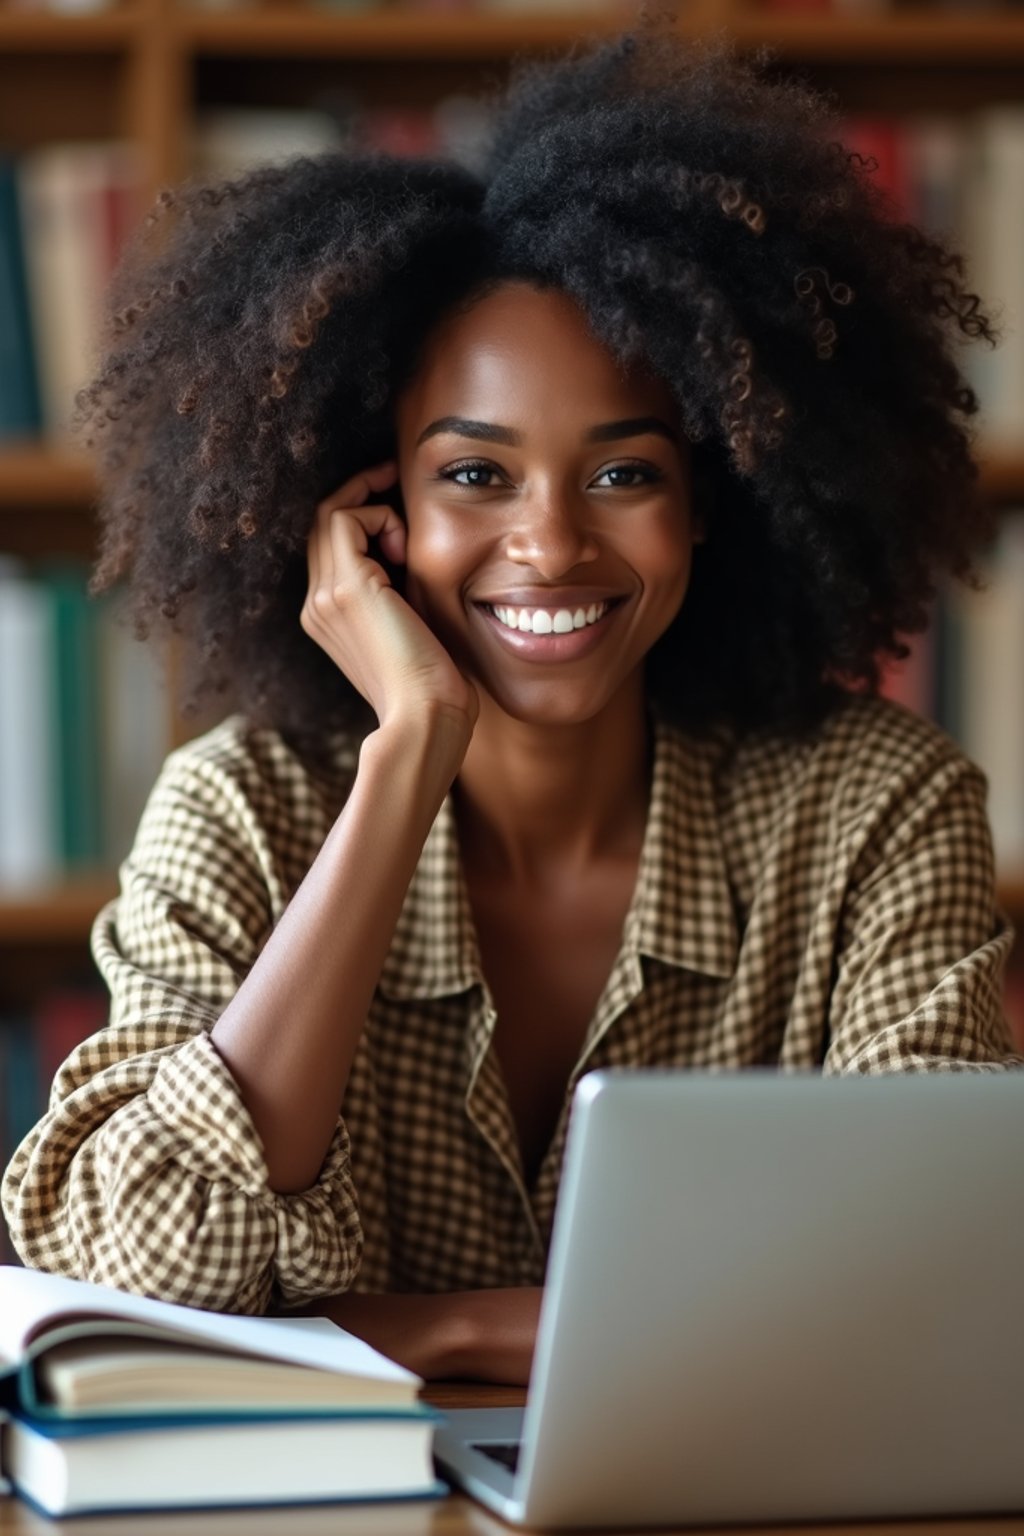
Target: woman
{"type": "Point", "coordinates": [556, 743]}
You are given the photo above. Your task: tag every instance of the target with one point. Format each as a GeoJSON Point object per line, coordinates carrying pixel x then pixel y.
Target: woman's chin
{"type": "Point", "coordinates": [552, 705]}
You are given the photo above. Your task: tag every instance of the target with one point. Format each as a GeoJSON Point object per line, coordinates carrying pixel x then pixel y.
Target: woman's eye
{"type": "Point", "coordinates": [475, 474]}
{"type": "Point", "coordinates": [627, 476]}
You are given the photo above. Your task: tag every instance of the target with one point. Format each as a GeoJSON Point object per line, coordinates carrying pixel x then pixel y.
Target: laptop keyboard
{"type": "Point", "coordinates": [508, 1455]}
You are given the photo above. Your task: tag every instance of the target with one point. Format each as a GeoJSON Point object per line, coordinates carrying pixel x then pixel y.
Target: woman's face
{"type": "Point", "coordinates": [548, 500]}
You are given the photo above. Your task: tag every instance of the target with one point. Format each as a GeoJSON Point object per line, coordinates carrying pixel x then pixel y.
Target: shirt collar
{"type": "Point", "coordinates": [682, 911]}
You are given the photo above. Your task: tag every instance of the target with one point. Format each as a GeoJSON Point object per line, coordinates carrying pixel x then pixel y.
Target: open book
{"type": "Point", "coordinates": [118, 1402]}
{"type": "Point", "coordinates": [73, 1349]}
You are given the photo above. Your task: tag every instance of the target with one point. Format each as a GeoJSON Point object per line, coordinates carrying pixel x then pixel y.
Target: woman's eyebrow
{"type": "Point", "coordinates": [636, 426]}
{"type": "Point", "coordinates": [490, 432]}
{"type": "Point", "coordinates": [486, 431]}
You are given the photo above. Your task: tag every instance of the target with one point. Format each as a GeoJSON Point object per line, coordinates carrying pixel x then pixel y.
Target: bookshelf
{"type": "Point", "coordinates": [145, 68]}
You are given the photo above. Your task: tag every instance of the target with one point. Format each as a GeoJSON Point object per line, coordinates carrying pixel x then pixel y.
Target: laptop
{"type": "Point", "coordinates": [772, 1298]}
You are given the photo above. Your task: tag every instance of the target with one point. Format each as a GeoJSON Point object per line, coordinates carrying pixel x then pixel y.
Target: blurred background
{"type": "Point", "coordinates": [102, 102]}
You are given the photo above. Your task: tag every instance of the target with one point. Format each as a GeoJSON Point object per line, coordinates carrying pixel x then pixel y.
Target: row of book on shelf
{"type": "Point", "coordinates": [83, 727]}
{"type": "Point", "coordinates": [966, 672]}
{"type": "Point", "coordinates": [84, 709]}
{"type": "Point", "coordinates": [66, 210]}
{"type": "Point", "coordinates": [34, 1042]}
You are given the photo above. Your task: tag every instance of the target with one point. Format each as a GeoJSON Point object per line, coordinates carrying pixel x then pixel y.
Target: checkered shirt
{"type": "Point", "coordinates": [825, 903]}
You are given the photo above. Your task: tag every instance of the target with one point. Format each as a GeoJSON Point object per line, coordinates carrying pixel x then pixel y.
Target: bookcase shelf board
{"type": "Point", "coordinates": [32, 475]}
{"type": "Point", "coordinates": [967, 37]}
{"type": "Point", "coordinates": [915, 35]}
{"type": "Point", "coordinates": [398, 34]}
{"type": "Point", "coordinates": [57, 914]}
{"type": "Point", "coordinates": [40, 32]}
{"type": "Point", "coordinates": [64, 913]}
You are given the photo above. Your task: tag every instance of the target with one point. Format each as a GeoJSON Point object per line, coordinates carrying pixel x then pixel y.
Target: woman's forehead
{"type": "Point", "coordinates": [520, 349]}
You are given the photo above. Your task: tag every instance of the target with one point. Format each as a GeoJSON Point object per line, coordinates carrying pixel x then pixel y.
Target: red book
{"type": "Point", "coordinates": [912, 682]}
{"type": "Point", "coordinates": [63, 1020]}
{"type": "Point", "coordinates": [1014, 1000]}
{"type": "Point", "coordinates": [880, 139]}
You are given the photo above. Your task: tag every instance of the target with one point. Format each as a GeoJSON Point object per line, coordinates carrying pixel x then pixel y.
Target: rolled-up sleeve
{"type": "Point", "coordinates": [923, 942]}
{"type": "Point", "coordinates": [147, 1172]}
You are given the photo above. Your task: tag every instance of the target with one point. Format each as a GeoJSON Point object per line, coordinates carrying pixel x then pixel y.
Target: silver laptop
{"type": "Point", "coordinates": [772, 1298]}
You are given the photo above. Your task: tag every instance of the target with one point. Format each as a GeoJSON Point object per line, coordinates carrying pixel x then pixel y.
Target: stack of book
{"type": "Point", "coordinates": [117, 1402]}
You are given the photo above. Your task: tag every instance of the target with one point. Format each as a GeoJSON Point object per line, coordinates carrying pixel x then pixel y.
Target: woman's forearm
{"type": "Point", "coordinates": [291, 1031]}
{"type": "Point", "coordinates": [464, 1335]}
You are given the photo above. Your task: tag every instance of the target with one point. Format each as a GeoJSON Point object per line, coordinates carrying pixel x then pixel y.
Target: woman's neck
{"type": "Point", "coordinates": [535, 803]}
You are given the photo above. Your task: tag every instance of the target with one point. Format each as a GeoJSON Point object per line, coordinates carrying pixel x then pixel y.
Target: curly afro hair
{"type": "Point", "coordinates": [697, 210]}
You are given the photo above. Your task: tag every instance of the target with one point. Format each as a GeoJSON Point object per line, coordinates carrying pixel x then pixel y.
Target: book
{"type": "Point", "coordinates": [64, 1017]}
{"type": "Point", "coordinates": [993, 237]}
{"type": "Point", "coordinates": [77, 202]}
{"type": "Point", "coordinates": [132, 725]}
{"type": "Point", "coordinates": [230, 141]}
{"type": "Point", "coordinates": [75, 768]}
{"type": "Point", "coordinates": [118, 1401]}
{"type": "Point", "coordinates": [20, 414]}
{"type": "Point", "coordinates": [881, 140]}
{"type": "Point", "coordinates": [913, 681]}
{"type": "Point", "coordinates": [990, 699]}
{"type": "Point", "coordinates": [85, 1468]}
{"type": "Point", "coordinates": [29, 851]}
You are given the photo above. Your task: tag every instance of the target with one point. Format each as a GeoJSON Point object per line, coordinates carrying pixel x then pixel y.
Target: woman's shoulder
{"type": "Point", "coordinates": [866, 752]}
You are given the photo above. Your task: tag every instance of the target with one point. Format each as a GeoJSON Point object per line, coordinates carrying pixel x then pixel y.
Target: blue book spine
{"type": "Point", "coordinates": [20, 412]}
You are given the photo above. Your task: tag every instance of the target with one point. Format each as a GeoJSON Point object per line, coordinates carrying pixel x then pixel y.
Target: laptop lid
{"type": "Point", "coordinates": [780, 1297]}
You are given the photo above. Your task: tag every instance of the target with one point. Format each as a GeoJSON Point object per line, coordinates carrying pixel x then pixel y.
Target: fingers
{"type": "Point", "coordinates": [366, 483]}
{"type": "Point", "coordinates": [349, 530]}
{"type": "Point", "coordinates": [349, 535]}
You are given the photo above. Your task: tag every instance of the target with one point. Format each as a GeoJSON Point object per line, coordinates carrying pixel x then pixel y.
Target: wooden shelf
{"type": "Point", "coordinates": [38, 32]}
{"type": "Point", "coordinates": [33, 476]}
{"type": "Point", "coordinates": [922, 36]}
{"type": "Point", "coordinates": [55, 914]}
{"type": "Point", "coordinates": [64, 914]}
{"type": "Point", "coordinates": [394, 34]}
{"type": "Point", "coordinates": [918, 36]}
{"type": "Point", "coordinates": [1011, 893]}
{"type": "Point", "coordinates": [1002, 476]}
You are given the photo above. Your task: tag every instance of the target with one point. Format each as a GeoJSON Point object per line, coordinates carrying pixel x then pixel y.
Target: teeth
{"type": "Point", "coordinates": [542, 621]}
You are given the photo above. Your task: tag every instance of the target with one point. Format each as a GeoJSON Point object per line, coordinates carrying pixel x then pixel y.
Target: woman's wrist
{"type": "Point", "coordinates": [490, 1335]}
{"type": "Point", "coordinates": [431, 739]}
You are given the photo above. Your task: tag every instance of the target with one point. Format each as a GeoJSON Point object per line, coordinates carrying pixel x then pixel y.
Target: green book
{"type": "Point", "coordinates": [75, 700]}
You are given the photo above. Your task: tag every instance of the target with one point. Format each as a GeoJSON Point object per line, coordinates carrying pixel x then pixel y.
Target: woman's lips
{"type": "Point", "coordinates": [554, 644]}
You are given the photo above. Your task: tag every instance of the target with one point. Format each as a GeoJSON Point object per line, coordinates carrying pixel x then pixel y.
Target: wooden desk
{"type": "Point", "coordinates": [454, 1516]}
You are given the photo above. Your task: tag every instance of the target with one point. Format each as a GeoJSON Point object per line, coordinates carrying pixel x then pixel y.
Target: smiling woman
{"type": "Point", "coordinates": [549, 527]}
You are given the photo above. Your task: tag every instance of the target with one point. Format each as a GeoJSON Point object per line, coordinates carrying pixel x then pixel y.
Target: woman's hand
{"type": "Point", "coordinates": [354, 613]}
{"type": "Point", "coordinates": [465, 1335]}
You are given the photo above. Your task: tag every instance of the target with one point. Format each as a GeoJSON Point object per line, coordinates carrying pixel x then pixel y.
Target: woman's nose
{"type": "Point", "coordinates": [552, 536]}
